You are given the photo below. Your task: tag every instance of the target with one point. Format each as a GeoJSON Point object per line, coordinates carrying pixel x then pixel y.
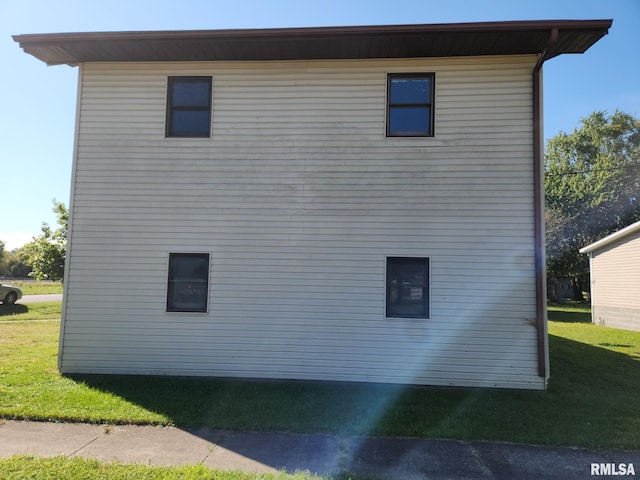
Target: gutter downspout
{"type": "Point", "coordinates": [538, 199]}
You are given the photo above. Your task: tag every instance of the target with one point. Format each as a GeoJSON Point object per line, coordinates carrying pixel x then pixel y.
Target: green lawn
{"type": "Point", "coordinates": [36, 287]}
{"type": "Point", "coordinates": [33, 311]}
{"type": "Point", "coordinates": [574, 312]}
{"type": "Point", "coordinates": [59, 468]}
{"type": "Point", "coordinates": [592, 399]}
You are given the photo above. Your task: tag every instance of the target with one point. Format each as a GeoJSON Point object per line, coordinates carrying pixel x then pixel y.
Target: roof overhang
{"type": "Point", "coordinates": [614, 237]}
{"type": "Point", "coordinates": [360, 42]}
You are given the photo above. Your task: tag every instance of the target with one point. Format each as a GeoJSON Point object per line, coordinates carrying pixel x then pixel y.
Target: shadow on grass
{"type": "Point", "coordinates": [591, 402]}
{"type": "Point", "coordinates": [7, 310]}
{"type": "Point", "coordinates": [568, 316]}
{"type": "Point", "coordinates": [258, 405]}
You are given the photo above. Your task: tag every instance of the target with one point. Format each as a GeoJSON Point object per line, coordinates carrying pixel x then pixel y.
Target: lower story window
{"type": "Point", "coordinates": [407, 287]}
{"type": "Point", "coordinates": [188, 287]}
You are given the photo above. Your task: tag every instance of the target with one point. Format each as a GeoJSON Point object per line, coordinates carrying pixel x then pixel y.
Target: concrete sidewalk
{"type": "Point", "coordinates": [378, 457]}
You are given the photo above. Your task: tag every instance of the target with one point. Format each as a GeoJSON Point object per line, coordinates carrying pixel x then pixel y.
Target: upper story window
{"type": "Point", "coordinates": [410, 104]}
{"type": "Point", "coordinates": [189, 107]}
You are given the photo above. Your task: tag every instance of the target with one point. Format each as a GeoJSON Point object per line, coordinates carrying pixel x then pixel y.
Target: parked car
{"type": "Point", "coordinates": [9, 294]}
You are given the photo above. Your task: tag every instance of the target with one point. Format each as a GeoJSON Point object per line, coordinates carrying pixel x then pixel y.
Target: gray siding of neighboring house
{"type": "Point", "coordinates": [298, 197]}
{"type": "Point", "coordinates": [615, 284]}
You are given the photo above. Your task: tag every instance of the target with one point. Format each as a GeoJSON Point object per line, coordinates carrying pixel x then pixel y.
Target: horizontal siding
{"type": "Point", "coordinates": [617, 317]}
{"type": "Point", "coordinates": [615, 284]}
{"type": "Point", "coordinates": [298, 197]}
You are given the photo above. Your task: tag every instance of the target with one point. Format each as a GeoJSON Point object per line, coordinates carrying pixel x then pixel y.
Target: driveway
{"type": "Point", "coordinates": [53, 297]}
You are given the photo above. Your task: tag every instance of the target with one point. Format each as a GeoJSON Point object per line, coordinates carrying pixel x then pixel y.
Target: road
{"type": "Point", "coordinates": [54, 297]}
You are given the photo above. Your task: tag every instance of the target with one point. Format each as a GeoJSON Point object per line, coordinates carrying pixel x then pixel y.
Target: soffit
{"type": "Point", "coordinates": [390, 41]}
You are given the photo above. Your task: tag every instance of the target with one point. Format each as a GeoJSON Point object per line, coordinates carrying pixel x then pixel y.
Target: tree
{"type": "Point", "coordinates": [592, 184]}
{"type": "Point", "coordinates": [14, 264]}
{"type": "Point", "coordinates": [3, 266]}
{"type": "Point", "coordinates": [46, 253]}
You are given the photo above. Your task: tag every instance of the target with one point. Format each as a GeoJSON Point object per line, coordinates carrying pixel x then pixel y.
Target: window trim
{"type": "Point", "coordinates": [427, 287]}
{"type": "Point", "coordinates": [430, 104]}
{"type": "Point", "coordinates": [171, 108]}
{"type": "Point", "coordinates": [169, 306]}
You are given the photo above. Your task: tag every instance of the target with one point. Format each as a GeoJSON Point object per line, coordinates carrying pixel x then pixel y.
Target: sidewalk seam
{"type": "Point", "coordinates": [212, 449]}
{"type": "Point", "coordinates": [478, 456]}
{"type": "Point", "coordinates": [214, 446]}
{"type": "Point", "coordinates": [85, 445]}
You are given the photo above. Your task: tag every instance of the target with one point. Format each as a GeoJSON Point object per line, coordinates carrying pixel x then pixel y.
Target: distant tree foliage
{"type": "Point", "coordinates": [592, 185]}
{"type": "Point", "coordinates": [46, 253]}
{"type": "Point", "coordinates": [12, 263]}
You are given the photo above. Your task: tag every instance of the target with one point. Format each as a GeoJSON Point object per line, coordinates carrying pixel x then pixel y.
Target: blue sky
{"type": "Point", "coordinates": [38, 102]}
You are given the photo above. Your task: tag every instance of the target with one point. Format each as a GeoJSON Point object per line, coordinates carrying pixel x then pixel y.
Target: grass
{"type": "Point", "coordinates": [36, 287]}
{"type": "Point", "coordinates": [591, 401]}
{"type": "Point", "coordinates": [33, 311]}
{"type": "Point", "coordinates": [570, 312]}
{"type": "Point", "coordinates": [32, 388]}
{"type": "Point", "coordinates": [60, 468]}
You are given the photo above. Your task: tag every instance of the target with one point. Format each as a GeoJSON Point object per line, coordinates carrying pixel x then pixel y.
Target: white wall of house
{"type": "Point", "coordinates": [615, 283]}
{"type": "Point", "coordinates": [298, 196]}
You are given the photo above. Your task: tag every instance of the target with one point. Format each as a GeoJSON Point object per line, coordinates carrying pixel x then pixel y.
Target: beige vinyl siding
{"type": "Point", "coordinates": [615, 284]}
{"type": "Point", "coordinates": [298, 197]}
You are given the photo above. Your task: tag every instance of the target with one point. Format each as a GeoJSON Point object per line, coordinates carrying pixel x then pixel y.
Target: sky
{"type": "Point", "coordinates": [38, 103]}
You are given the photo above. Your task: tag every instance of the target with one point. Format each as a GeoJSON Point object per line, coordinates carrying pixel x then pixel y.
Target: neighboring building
{"type": "Point", "coordinates": [615, 279]}
{"type": "Point", "coordinates": [345, 203]}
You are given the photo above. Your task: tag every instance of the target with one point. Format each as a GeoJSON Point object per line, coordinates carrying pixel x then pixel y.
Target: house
{"type": "Point", "coordinates": [615, 279]}
{"type": "Point", "coordinates": [339, 203]}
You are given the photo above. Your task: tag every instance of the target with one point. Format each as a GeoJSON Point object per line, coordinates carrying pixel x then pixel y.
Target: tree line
{"type": "Point", "coordinates": [592, 189]}
{"type": "Point", "coordinates": [43, 258]}
{"type": "Point", "coordinates": [12, 263]}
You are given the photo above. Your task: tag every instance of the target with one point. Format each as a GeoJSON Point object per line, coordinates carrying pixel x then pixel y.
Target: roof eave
{"type": "Point", "coordinates": [386, 41]}
{"type": "Point", "coordinates": [606, 241]}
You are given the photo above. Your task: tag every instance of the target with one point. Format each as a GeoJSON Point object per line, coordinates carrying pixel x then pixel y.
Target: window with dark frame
{"type": "Point", "coordinates": [410, 104]}
{"type": "Point", "coordinates": [407, 287]}
{"type": "Point", "coordinates": [188, 286]}
{"type": "Point", "coordinates": [189, 107]}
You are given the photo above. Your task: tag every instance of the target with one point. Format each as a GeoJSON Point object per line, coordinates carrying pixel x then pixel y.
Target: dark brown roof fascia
{"type": "Point", "coordinates": [384, 41]}
{"type": "Point", "coordinates": [264, 32]}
